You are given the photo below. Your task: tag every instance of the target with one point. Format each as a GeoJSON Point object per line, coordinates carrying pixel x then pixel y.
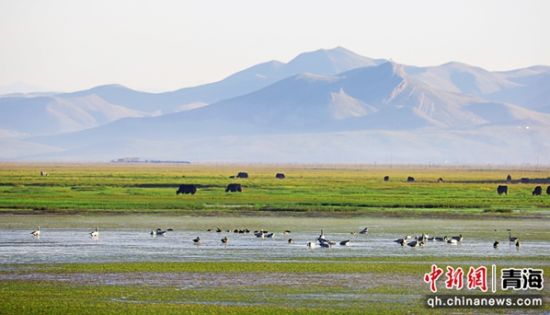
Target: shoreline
{"type": "Point", "coordinates": [471, 214]}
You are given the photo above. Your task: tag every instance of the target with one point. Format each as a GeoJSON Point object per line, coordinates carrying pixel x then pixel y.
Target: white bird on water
{"type": "Point", "coordinates": [36, 233]}
{"type": "Point", "coordinates": [311, 245]}
{"type": "Point", "coordinates": [95, 234]}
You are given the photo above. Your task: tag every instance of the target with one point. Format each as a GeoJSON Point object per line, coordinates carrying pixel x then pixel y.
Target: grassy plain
{"type": "Point", "coordinates": [369, 286]}
{"type": "Point", "coordinates": [324, 190]}
{"type": "Point", "coordinates": [141, 195]}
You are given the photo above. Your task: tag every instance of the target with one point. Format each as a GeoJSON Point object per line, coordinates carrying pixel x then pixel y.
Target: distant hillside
{"type": "Point", "coordinates": [63, 112]}
{"type": "Point", "coordinates": [323, 106]}
{"type": "Point", "coordinates": [45, 115]}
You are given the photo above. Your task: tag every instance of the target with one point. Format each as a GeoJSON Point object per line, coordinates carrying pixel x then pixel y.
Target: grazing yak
{"type": "Point", "coordinates": [280, 176]}
{"type": "Point", "coordinates": [242, 175]}
{"type": "Point", "coordinates": [502, 189]}
{"type": "Point", "coordinates": [440, 180]}
{"type": "Point", "coordinates": [410, 179]}
{"type": "Point", "coordinates": [386, 178]}
{"type": "Point", "coordinates": [537, 191]}
{"type": "Point", "coordinates": [509, 178]}
{"type": "Point", "coordinates": [187, 189]}
{"type": "Point", "coordinates": [234, 188]}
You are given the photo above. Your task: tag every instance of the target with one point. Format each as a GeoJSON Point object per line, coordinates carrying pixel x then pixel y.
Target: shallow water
{"type": "Point", "coordinates": [129, 245]}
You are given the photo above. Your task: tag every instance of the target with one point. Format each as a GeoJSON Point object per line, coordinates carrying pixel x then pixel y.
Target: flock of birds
{"type": "Point", "coordinates": [322, 241]}
{"type": "Point", "coordinates": [421, 240]}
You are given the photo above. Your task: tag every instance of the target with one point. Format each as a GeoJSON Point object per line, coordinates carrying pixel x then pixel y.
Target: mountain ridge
{"type": "Point", "coordinates": [453, 104]}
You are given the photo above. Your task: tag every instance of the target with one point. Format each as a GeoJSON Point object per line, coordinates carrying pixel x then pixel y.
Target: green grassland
{"type": "Point", "coordinates": [151, 188]}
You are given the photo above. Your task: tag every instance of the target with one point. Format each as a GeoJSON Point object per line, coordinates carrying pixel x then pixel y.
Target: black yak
{"type": "Point", "coordinates": [234, 188]}
{"type": "Point", "coordinates": [187, 189]}
{"type": "Point", "coordinates": [502, 189]}
{"type": "Point", "coordinates": [242, 175]}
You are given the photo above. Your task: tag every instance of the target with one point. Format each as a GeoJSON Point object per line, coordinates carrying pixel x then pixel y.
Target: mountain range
{"type": "Point", "coordinates": [325, 106]}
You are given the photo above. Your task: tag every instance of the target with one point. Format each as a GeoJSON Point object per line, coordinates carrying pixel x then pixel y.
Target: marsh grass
{"type": "Point", "coordinates": [383, 297]}
{"type": "Point", "coordinates": [145, 188]}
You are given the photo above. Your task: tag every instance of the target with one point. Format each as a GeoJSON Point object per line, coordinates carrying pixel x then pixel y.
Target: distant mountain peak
{"type": "Point", "coordinates": [330, 61]}
{"type": "Point", "coordinates": [461, 66]}
{"type": "Point", "coordinates": [396, 68]}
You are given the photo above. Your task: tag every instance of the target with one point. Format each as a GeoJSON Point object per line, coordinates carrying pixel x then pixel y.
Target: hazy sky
{"type": "Point", "coordinates": [163, 45]}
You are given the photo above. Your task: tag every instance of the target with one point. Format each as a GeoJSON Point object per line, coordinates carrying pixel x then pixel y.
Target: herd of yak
{"type": "Point", "coordinates": [537, 191]}
{"type": "Point", "coordinates": [235, 187]}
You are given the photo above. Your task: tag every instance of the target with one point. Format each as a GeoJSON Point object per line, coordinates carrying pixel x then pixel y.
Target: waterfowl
{"type": "Point", "coordinates": [170, 230]}
{"type": "Point", "coordinates": [36, 233]}
{"type": "Point", "coordinates": [158, 231]}
{"type": "Point", "coordinates": [311, 245]}
{"type": "Point", "coordinates": [95, 233]}
{"type": "Point", "coordinates": [441, 239]}
{"type": "Point", "coordinates": [457, 238]}
{"type": "Point", "coordinates": [197, 240]}
{"type": "Point", "coordinates": [495, 244]}
{"type": "Point", "coordinates": [415, 243]}
{"type": "Point", "coordinates": [511, 238]}
{"type": "Point", "coordinates": [290, 241]}
{"type": "Point", "coordinates": [344, 243]}
{"type": "Point", "coordinates": [325, 241]}
{"type": "Point", "coordinates": [218, 230]}
{"type": "Point", "coordinates": [364, 231]}
{"type": "Point", "coordinates": [287, 232]}
{"type": "Point", "coordinates": [452, 241]}
{"type": "Point", "coordinates": [322, 236]}
{"type": "Point", "coordinates": [421, 238]}
{"type": "Point", "coordinates": [325, 245]}
{"type": "Point", "coordinates": [259, 234]}
{"type": "Point", "coordinates": [400, 241]}
{"type": "Point", "coordinates": [517, 243]}
{"type": "Point", "coordinates": [225, 240]}
{"type": "Point", "coordinates": [270, 235]}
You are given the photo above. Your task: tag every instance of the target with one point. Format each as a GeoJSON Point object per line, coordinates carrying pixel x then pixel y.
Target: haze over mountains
{"type": "Point", "coordinates": [326, 106]}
